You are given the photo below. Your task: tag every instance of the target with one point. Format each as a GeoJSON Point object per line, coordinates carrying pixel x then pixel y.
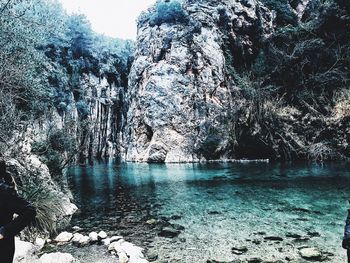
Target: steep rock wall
{"type": "Point", "coordinates": [95, 120]}
{"type": "Point", "coordinates": [105, 118]}
{"type": "Point", "coordinates": [179, 99]}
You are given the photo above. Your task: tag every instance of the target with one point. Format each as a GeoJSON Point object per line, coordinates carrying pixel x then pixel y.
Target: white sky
{"type": "Point", "coordinates": [115, 18]}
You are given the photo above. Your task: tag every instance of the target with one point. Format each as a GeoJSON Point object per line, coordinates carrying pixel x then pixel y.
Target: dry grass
{"type": "Point", "coordinates": [342, 104]}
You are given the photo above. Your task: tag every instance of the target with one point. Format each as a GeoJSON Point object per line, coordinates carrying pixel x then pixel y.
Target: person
{"type": "Point", "coordinates": [346, 238]}
{"type": "Point", "coordinates": [10, 204]}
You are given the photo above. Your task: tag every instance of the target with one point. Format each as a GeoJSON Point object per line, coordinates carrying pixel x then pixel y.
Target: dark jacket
{"type": "Point", "coordinates": [346, 239]}
{"type": "Point", "coordinates": [10, 204]}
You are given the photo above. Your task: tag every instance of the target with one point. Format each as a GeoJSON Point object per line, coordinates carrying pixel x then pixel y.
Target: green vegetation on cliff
{"type": "Point", "coordinates": [296, 85]}
{"type": "Point", "coordinates": [44, 54]}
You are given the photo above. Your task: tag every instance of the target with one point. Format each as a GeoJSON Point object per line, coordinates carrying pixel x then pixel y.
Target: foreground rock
{"type": "Point", "coordinates": [25, 251]}
{"type": "Point", "coordinates": [127, 252]}
{"type": "Point", "coordinates": [57, 258]}
{"type": "Point", "coordinates": [64, 237]}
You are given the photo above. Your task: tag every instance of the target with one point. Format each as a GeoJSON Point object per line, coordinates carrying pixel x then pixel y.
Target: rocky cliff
{"type": "Point", "coordinates": [239, 79]}
{"type": "Point", "coordinates": [104, 106]}
{"type": "Point", "coordinates": [180, 96]}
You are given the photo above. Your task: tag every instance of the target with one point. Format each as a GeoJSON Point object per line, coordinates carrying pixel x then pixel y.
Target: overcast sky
{"type": "Point", "coordinates": [115, 18]}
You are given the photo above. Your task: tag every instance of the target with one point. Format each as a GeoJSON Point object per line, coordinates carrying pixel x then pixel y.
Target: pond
{"type": "Point", "coordinates": [221, 211]}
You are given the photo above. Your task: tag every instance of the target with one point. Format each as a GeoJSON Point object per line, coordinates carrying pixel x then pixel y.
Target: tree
{"type": "Point", "coordinates": [168, 12]}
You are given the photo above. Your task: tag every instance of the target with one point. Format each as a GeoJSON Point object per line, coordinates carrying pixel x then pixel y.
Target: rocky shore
{"type": "Point", "coordinates": [42, 251]}
{"type": "Point", "coordinates": [102, 247]}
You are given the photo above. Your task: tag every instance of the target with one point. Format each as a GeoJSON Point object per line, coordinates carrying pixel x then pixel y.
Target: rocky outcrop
{"type": "Point", "coordinates": [36, 182]}
{"type": "Point", "coordinates": [99, 112]}
{"type": "Point", "coordinates": [179, 97]}
{"type": "Point", "coordinates": [106, 117]}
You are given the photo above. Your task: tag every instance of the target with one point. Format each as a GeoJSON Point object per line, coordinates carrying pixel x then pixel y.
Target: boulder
{"type": "Point", "coordinates": [133, 253]}
{"type": "Point", "coordinates": [93, 237]}
{"type": "Point", "coordinates": [102, 235]}
{"type": "Point", "coordinates": [39, 243]}
{"type": "Point", "coordinates": [122, 257]}
{"type": "Point", "coordinates": [64, 237]}
{"type": "Point", "coordinates": [77, 237]}
{"type": "Point", "coordinates": [106, 241]}
{"type": "Point", "coordinates": [24, 251]}
{"type": "Point", "coordinates": [85, 240]}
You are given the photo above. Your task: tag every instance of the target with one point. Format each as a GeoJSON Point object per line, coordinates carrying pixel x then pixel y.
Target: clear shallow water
{"type": "Point", "coordinates": [220, 205]}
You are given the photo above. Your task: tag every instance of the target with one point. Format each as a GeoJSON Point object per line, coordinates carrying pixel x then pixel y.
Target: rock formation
{"type": "Point", "coordinates": [179, 97]}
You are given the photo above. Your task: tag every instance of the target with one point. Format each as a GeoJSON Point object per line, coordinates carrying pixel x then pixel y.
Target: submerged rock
{"type": "Point", "coordinates": [239, 250]}
{"type": "Point", "coordinates": [169, 232]}
{"type": "Point", "coordinates": [255, 260]}
{"type": "Point", "coordinates": [152, 221]}
{"type": "Point", "coordinates": [152, 255]}
{"type": "Point", "coordinates": [311, 253]}
{"type": "Point", "coordinates": [273, 238]}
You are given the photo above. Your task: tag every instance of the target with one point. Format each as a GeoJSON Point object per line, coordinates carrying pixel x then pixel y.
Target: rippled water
{"type": "Point", "coordinates": [220, 206]}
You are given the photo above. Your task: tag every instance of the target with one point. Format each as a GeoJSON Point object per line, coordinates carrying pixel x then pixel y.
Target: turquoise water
{"type": "Point", "coordinates": [220, 206]}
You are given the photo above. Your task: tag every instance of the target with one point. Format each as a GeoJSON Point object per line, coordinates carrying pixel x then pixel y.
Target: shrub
{"type": "Point", "coordinates": [47, 207]}
{"type": "Point", "coordinates": [285, 14]}
{"type": "Point", "coordinates": [83, 109]}
{"type": "Point", "coordinates": [169, 12]}
{"type": "Point", "coordinates": [56, 150]}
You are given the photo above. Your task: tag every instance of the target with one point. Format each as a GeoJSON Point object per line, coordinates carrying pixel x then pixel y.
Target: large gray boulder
{"type": "Point", "coordinates": [25, 252]}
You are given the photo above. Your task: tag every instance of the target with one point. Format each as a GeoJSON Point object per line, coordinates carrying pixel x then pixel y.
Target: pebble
{"type": "Point", "coordinates": [151, 221]}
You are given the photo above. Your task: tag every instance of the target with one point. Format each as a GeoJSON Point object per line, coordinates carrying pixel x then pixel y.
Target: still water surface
{"type": "Point", "coordinates": [220, 206]}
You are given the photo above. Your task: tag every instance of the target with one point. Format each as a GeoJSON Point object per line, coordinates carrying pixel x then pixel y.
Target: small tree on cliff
{"type": "Point", "coordinates": [168, 12]}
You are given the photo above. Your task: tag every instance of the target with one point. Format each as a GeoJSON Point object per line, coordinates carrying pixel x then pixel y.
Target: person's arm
{"type": "Point", "coordinates": [26, 214]}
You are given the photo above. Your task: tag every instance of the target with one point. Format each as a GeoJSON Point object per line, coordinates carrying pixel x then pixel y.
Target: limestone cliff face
{"type": "Point", "coordinates": [96, 120]}
{"type": "Point", "coordinates": [179, 96]}
{"type": "Point", "coordinates": [105, 117]}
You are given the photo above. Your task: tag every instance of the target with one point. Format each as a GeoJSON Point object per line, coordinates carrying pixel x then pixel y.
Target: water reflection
{"type": "Point", "coordinates": [113, 189]}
